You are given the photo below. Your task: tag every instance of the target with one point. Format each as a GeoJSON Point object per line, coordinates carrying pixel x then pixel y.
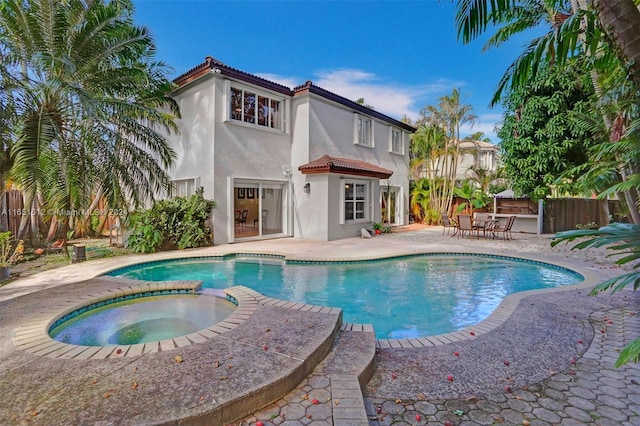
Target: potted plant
{"type": "Point", "coordinates": [9, 254]}
{"type": "Point", "coordinates": [377, 228]}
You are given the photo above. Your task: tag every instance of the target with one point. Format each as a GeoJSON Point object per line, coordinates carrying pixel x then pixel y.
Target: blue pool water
{"type": "Point", "coordinates": [402, 297]}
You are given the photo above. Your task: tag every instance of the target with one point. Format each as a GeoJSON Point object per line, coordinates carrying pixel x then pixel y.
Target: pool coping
{"type": "Point", "coordinates": [502, 312]}
{"type": "Point", "coordinates": [33, 335]}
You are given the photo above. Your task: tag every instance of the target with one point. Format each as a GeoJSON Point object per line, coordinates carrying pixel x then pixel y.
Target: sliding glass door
{"type": "Point", "coordinates": [258, 209]}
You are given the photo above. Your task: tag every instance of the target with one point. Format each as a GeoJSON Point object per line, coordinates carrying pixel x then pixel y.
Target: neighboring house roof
{"type": "Point", "coordinates": [467, 144]}
{"type": "Point", "coordinates": [327, 164]}
{"type": "Point", "coordinates": [508, 193]}
{"type": "Point", "coordinates": [219, 67]}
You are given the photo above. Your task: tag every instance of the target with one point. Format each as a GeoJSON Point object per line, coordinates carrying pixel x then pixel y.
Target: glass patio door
{"type": "Point", "coordinates": [258, 209]}
{"type": "Point", "coordinates": [389, 205]}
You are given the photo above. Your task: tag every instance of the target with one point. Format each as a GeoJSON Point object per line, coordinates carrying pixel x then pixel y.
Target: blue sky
{"type": "Point", "coordinates": [398, 55]}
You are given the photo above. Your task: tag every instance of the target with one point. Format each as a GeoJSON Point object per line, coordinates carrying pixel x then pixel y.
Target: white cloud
{"type": "Point", "coordinates": [391, 98]}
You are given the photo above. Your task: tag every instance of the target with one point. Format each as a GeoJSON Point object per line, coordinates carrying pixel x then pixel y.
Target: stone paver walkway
{"type": "Point", "coordinates": [588, 391]}
{"type": "Point", "coordinates": [591, 391]}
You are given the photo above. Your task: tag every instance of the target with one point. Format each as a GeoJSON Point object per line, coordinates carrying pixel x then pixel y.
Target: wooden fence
{"type": "Point", "coordinates": [12, 211]}
{"type": "Point", "coordinates": [563, 214]}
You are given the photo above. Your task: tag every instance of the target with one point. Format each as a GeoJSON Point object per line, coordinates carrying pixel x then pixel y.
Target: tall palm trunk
{"type": "Point", "coordinates": [28, 197]}
{"type": "Point", "coordinates": [620, 20]}
{"type": "Point", "coordinates": [92, 207]}
{"type": "Point", "coordinates": [630, 196]}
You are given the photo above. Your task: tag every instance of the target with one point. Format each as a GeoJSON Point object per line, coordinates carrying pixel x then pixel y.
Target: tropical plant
{"type": "Point", "coordinates": [361, 101]}
{"type": "Point", "coordinates": [624, 240]}
{"type": "Point", "coordinates": [89, 105]}
{"type": "Point", "coordinates": [9, 254]}
{"type": "Point", "coordinates": [511, 17]}
{"type": "Point", "coordinates": [605, 33]}
{"type": "Point", "coordinates": [176, 223]}
{"type": "Point", "coordinates": [541, 136]}
{"type": "Point", "coordinates": [478, 136]}
{"type": "Point", "coordinates": [568, 23]}
{"type": "Point", "coordinates": [484, 178]}
{"type": "Point", "coordinates": [436, 147]}
{"type": "Point", "coordinates": [475, 198]}
{"type": "Point", "coordinates": [421, 202]}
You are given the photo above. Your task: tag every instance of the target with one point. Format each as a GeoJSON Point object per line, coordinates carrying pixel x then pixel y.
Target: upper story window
{"type": "Point", "coordinates": [253, 108]}
{"type": "Point", "coordinates": [363, 130]}
{"type": "Point", "coordinates": [397, 141]}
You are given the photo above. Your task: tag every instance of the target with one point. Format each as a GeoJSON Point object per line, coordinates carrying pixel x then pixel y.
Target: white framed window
{"type": "Point", "coordinates": [355, 198]}
{"type": "Point", "coordinates": [184, 187]}
{"type": "Point", "coordinates": [396, 144]}
{"type": "Point", "coordinates": [251, 107]}
{"type": "Point", "coordinates": [363, 130]}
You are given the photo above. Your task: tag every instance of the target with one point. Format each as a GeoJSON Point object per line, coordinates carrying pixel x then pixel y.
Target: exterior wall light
{"type": "Point", "coordinates": [307, 188]}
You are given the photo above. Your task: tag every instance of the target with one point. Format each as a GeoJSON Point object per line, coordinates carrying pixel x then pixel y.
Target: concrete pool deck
{"type": "Point", "coordinates": [539, 342]}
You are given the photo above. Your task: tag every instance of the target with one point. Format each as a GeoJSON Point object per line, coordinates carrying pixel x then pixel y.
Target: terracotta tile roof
{"type": "Point", "coordinates": [219, 67]}
{"type": "Point", "coordinates": [312, 88]}
{"type": "Point", "coordinates": [347, 166]}
{"type": "Point", "coordinates": [212, 64]}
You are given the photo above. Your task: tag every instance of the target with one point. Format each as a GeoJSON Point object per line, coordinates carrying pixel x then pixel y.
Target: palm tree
{"type": "Point", "coordinates": [449, 115]}
{"type": "Point", "coordinates": [478, 136]}
{"type": "Point", "coordinates": [573, 29]}
{"type": "Point", "coordinates": [91, 107]}
{"type": "Point", "coordinates": [515, 17]}
{"type": "Point", "coordinates": [620, 20]}
{"type": "Point", "coordinates": [483, 177]}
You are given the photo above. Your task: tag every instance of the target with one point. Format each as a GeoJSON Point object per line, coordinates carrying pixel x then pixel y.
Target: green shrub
{"type": "Point", "coordinates": [177, 223]}
{"type": "Point", "coordinates": [590, 225]}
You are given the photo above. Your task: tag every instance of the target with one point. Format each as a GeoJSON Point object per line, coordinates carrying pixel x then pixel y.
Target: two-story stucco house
{"type": "Point", "coordinates": [477, 153]}
{"type": "Point", "coordinates": [301, 162]}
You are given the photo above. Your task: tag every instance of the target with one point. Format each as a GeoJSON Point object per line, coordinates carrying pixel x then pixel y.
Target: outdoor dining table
{"type": "Point", "coordinates": [485, 225]}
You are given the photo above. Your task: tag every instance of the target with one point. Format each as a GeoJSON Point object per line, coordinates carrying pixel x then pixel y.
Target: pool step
{"type": "Point", "coordinates": [353, 353]}
{"type": "Point", "coordinates": [350, 366]}
{"type": "Point", "coordinates": [336, 383]}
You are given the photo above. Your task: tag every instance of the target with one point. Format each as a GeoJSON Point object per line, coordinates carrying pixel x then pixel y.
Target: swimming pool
{"type": "Point", "coordinates": [402, 297]}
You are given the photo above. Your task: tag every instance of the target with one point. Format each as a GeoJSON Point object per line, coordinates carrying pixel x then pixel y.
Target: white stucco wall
{"type": "Point", "coordinates": [194, 143]}
{"type": "Point", "coordinates": [219, 151]}
{"type": "Point", "coordinates": [322, 127]}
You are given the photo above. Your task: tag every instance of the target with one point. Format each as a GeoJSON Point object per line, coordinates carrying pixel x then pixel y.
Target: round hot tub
{"type": "Point", "coordinates": [141, 318]}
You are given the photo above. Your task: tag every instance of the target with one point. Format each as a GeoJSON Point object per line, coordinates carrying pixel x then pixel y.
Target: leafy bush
{"type": "Point", "coordinates": [590, 225]}
{"type": "Point", "coordinates": [179, 223]}
{"type": "Point", "coordinates": [10, 255]}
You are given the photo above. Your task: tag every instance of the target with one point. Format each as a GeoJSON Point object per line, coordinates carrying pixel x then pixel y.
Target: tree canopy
{"type": "Point", "coordinates": [541, 136]}
{"type": "Point", "coordinates": [86, 105]}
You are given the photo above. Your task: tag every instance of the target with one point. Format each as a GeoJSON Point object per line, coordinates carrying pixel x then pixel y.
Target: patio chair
{"type": "Point", "coordinates": [506, 229]}
{"type": "Point", "coordinates": [465, 224]}
{"type": "Point", "coordinates": [243, 218]}
{"type": "Point", "coordinates": [447, 224]}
